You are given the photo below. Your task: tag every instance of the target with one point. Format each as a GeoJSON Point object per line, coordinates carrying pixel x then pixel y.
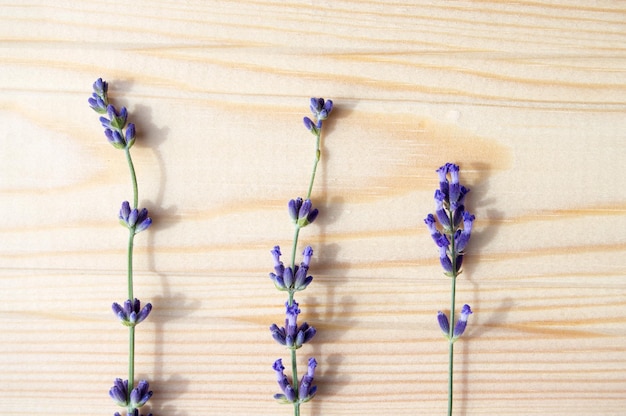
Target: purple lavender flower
{"type": "Point", "coordinates": [307, 389]}
{"type": "Point", "coordinates": [302, 212]}
{"type": "Point", "coordinates": [134, 219]}
{"type": "Point", "coordinates": [291, 335]}
{"type": "Point", "coordinates": [285, 278]}
{"type": "Point", "coordinates": [444, 324]}
{"type": "Point", "coordinates": [140, 394]}
{"type": "Point", "coordinates": [461, 323]}
{"type": "Point", "coordinates": [459, 328]}
{"type": "Point", "coordinates": [131, 313]}
{"type": "Point", "coordinates": [119, 392]}
{"type": "Point", "coordinates": [320, 109]}
{"type": "Point", "coordinates": [99, 100]}
{"type": "Point", "coordinates": [451, 226]}
{"type": "Point", "coordinates": [117, 132]}
{"type": "Point", "coordinates": [288, 393]}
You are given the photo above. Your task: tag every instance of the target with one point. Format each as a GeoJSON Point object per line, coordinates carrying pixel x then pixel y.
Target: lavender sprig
{"type": "Point", "coordinates": [450, 229]}
{"type": "Point", "coordinates": [121, 135]}
{"type": "Point", "coordinates": [292, 279]}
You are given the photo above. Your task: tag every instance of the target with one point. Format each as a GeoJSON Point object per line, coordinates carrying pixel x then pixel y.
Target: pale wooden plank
{"type": "Point", "coordinates": [528, 97]}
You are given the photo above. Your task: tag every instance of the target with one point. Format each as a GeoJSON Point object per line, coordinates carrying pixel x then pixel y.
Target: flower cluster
{"type": "Point", "coordinates": [320, 109]}
{"type": "Point", "coordinates": [119, 134]}
{"type": "Point", "coordinates": [137, 397]}
{"type": "Point", "coordinates": [291, 335]}
{"type": "Point", "coordinates": [306, 390]}
{"type": "Point", "coordinates": [459, 328]}
{"type": "Point", "coordinates": [450, 229]}
{"type": "Point", "coordinates": [288, 279]}
{"type": "Point", "coordinates": [131, 313]}
{"type": "Point", "coordinates": [450, 212]}
{"type": "Point", "coordinates": [134, 219]}
{"type": "Point", "coordinates": [292, 279]}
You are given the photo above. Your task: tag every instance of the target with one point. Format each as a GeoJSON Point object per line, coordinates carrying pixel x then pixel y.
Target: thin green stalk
{"type": "Point", "coordinates": [294, 372]}
{"type": "Point", "coordinates": [133, 177]}
{"type": "Point", "coordinates": [451, 347]}
{"type": "Point", "coordinates": [131, 359]}
{"type": "Point", "coordinates": [131, 238]}
{"type": "Point", "coordinates": [452, 309]}
{"type": "Point", "coordinates": [318, 155]}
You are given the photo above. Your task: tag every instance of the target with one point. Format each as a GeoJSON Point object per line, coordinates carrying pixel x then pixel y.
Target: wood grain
{"type": "Point", "coordinates": [528, 97]}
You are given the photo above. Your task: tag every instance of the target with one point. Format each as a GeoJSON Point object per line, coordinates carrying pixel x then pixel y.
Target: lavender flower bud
{"type": "Point", "coordinates": [301, 278]}
{"type": "Point", "coordinates": [443, 180]}
{"type": "Point", "coordinates": [133, 219]}
{"type": "Point", "coordinates": [459, 328]}
{"type": "Point", "coordinates": [310, 125]}
{"type": "Point", "coordinates": [301, 212]}
{"type": "Point", "coordinates": [115, 138]}
{"type": "Point", "coordinates": [432, 227]}
{"type": "Point", "coordinates": [119, 392]}
{"type": "Point", "coordinates": [291, 335]}
{"type": "Point", "coordinates": [289, 394]}
{"type": "Point", "coordinates": [443, 323]}
{"type": "Point", "coordinates": [307, 390]}
{"type": "Point", "coordinates": [140, 394]}
{"type": "Point", "coordinates": [99, 101]}
{"type": "Point", "coordinates": [97, 104]}
{"type": "Point", "coordinates": [130, 135]}
{"type": "Point", "coordinates": [440, 210]}
{"type": "Point", "coordinates": [307, 253]}
{"type": "Point", "coordinates": [443, 245]}
{"type": "Point", "coordinates": [131, 313]}
{"type": "Point", "coordinates": [100, 87]}
{"type": "Point", "coordinates": [462, 237]}
{"type": "Point", "coordinates": [288, 278]}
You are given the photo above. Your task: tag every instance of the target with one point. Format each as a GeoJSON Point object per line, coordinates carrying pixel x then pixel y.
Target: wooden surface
{"type": "Point", "coordinates": [527, 97]}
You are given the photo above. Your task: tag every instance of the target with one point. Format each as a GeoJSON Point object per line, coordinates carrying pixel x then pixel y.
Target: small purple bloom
{"type": "Point", "coordinates": [140, 394]}
{"type": "Point", "coordinates": [462, 237]}
{"type": "Point", "coordinates": [119, 392]}
{"type": "Point", "coordinates": [134, 219]}
{"type": "Point", "coordinates": [99, 101]}
{"type": "Point", "coordinates": [289, 394]}
{"type": "Point", "coordinates": [451, 222]}
{"type": "Point", "coordinates": [302, 212]}
{"type": "Point", "coordinates": [285, 278]}
{"type": "Point", "coordinates": [291, 335]}
{"type": "Point", "coordinates": [432, 227]}
{"type": "Point", "coordinates": [459, 328]}
{"type": "Point", "coordinates": [278, 265]}
{"type": "Point", "coordinates": [129, 136]}
{"type": "Point", "coordinates": [443, 323]}
{"type": "Point", "coordinates": [115, 138]}
{"type": "Point", "coordinates": [321, 110]}
{"type": "Point", "coordinates": [443, 243]}
{"type": "Point", "coordinates": [131, 313]}
{"type": "Point", "coordinates": [440, 209]}
{"type": "Point", "coordinates": [307, 389]}
{"type": "Point", "coordinates": [310, 125]}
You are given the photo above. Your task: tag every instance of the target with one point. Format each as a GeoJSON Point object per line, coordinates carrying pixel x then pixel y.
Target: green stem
{"type": "Point", "coordinates": [131, 238]}
{"type": "Point", "coordinates": [452, 309]}
{"type": "Point", "coordinates": [131, 359]}
{"type": "Point", "coordinates": [294, 372]}
{"type": "Point", "coordinates": [318, 155]}
{"type": "Point", "coordinates": [133, 177]}
{"type": "Point", "coordinates": [451, 346]}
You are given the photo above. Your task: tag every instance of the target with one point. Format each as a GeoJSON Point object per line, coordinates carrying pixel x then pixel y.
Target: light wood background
{"type": "Point", "coordinates": [528, 97]}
